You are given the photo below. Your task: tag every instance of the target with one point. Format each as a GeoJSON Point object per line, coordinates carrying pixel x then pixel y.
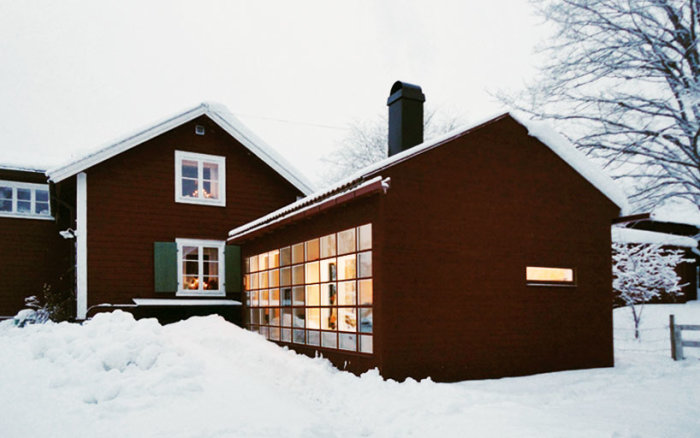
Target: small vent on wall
{"type": "Point", "coordinates": [199, 129]}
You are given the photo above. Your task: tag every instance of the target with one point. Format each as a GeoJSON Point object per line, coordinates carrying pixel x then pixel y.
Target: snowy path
{"type": "Point", "coordinates": [116, 377]}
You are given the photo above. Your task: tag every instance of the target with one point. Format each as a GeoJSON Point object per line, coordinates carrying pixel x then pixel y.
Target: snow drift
{"type": "Point", "coordinates": [204, 377]}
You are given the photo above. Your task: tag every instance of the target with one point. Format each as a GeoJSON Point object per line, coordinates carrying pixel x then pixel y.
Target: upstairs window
{"type": "Point", "coordinates": [200, 178]}
{"type": "Point", "coordinates": [19, 199]}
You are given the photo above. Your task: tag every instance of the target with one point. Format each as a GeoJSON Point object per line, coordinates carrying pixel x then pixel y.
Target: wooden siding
{"type": "Point", "coordinates": [32, 254]}
{"type": "Point", "coordinates": [462, 223]}
{"type": "Point", "coordinates": [452, 238]}
{"type": "Point", "coordinates": [131, 205]}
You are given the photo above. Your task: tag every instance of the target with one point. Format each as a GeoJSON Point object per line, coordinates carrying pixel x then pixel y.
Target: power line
{"type": "Point", "coordinates": [292, 122]}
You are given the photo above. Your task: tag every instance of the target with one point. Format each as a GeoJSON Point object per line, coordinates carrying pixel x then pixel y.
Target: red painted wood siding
{"type": "Point", "coordinates": [462, 223]}
{"type": "Point", "coordinates": [32, 254]}
{"type": "Point", "coordinates": [452, 238]}
{"type": "Point", "coordinates": [131, 204]}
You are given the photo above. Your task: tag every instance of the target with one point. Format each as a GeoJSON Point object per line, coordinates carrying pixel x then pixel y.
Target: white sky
{"type": "Point", "coordinates": [77, 74]}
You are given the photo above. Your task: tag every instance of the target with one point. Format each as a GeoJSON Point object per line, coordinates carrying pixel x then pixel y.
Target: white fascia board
{"type": "Point", "coordinates": [21, 168]}
{"type": "Point", "coordinates": [255, 144]}
{"type": "Point", "coordinates": [298, 207]}
{"type": "Point", "coordinates": [60, 173]}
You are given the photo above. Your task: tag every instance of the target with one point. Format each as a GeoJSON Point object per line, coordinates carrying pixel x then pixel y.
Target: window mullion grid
{"type": "Point", "coordinates": [200, 268]}
{"type": "Point", "coordinates": [200, 179]}
{"type": "Point", "coordinates": [14, 199]}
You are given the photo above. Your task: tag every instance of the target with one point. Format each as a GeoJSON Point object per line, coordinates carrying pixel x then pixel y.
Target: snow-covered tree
{"type": "Point", "coordinates": [642, 272]}
{"type": "Point", "coordinates": [622, 78]}
{"type": "Point", "coordinates": [367, 143]}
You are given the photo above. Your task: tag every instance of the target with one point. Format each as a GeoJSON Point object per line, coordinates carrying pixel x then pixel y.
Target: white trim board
{"type": "Point", "coordinates": [219, 114]}
{"type": "Point", "coordinates": [182, 302]}
{"type": "Point", "coordinates": [81, 246]}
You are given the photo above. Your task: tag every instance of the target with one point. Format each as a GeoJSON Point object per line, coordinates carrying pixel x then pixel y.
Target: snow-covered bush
{"type": "Point", "coordinates": [34, 313]}
{"type": "Point", "coordinates": [642, 272]}
{"type": "Point", "coordinates": [57, 306]}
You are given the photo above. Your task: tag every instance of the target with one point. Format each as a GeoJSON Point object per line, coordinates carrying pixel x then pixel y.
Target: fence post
{"type": "Point", "coordinates": [676, 339]}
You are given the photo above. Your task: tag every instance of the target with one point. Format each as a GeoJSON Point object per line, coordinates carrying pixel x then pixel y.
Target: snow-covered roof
{"type": "Point", "coordinates": [217, 113]}
{"type": "Point", "coordinates": [631, 235]}
{"type": "Point", "coordinates": [677, 211]}
{"type": "Point", "coordinates": [21, 168]}
{"type": "Point", "coordinates": [337, 193]}
{"type": "Point", "coordinates": [558, 144]}
{"type": "Point", "coordinates": [545, 133]}
{"type": "Point", "coordinates": [540, 130]}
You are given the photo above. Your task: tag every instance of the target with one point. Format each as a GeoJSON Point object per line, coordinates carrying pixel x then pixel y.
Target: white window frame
{"type": "Point", "coordinates": [33, 187]}
{"type": "Point", "coordinates": [200, 159]}
{"type": "Point", "coordinates": [200, 243]}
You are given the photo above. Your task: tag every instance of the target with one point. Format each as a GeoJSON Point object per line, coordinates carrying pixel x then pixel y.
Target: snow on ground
{"type": "Point", "coordinates": [116, 377]}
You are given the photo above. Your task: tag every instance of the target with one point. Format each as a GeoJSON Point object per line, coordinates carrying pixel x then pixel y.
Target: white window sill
{"type": "Point", "coordinates": [26, 216]}
{"type": "Point", "coordinates": [189, 293]}
{"type": "Point", "coordinates": [178, 302]}
{"type": "Point", "coordinates": [195, 201]}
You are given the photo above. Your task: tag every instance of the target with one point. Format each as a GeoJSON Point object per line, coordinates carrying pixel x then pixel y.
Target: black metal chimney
{"type": "Point", "coordinates": [405, 116]}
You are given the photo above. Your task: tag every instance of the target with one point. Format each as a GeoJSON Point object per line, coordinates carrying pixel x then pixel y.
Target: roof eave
{"type": "Point", "coordinates": [61, 173]}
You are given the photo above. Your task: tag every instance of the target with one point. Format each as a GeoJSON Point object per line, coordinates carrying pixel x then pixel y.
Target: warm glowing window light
{"type": "Point", "coordinates": [318, 292]}
{"type": "Point", "coordinates": [536, 274]}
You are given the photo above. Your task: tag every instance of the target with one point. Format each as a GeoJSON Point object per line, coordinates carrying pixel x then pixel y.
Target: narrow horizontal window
{"type": "Point", "coordinates": [545, 275]}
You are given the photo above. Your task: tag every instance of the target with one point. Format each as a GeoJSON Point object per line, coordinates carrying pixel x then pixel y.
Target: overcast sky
{"type": "Point", "coordinates": [77, 74]}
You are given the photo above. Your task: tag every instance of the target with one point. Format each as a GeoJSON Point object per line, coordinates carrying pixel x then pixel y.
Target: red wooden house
{"type": "Point", "coordinates": [485, 253]}
{"type": "Point", "coordinates": [148, 215]}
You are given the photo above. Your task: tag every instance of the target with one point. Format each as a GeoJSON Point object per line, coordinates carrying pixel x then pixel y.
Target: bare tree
{"type": "Point", "coordinates": [642, 272]}
{"type": "Point", "coordinates": [622, 78]}
{"type": "Point", "coordinates": [367, 143]}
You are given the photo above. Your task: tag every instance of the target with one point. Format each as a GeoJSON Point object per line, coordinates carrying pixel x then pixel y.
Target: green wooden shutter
{"type": "Point", "coordinates": [232, 256]}
{"type": "Point", "coordinates": [165, 266]}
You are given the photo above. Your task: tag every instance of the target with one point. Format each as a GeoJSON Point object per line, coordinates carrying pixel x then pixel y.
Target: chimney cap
{"type": "Point", "coordinates": [405, 90]}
